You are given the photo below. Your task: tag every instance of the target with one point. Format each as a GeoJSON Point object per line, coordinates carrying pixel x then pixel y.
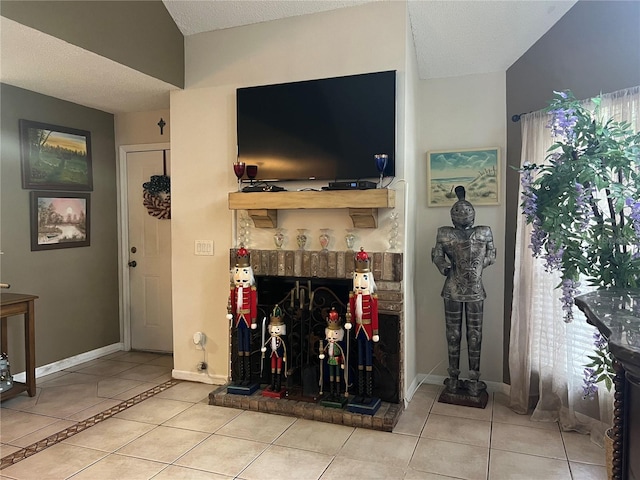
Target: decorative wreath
{"type": "Point", "coordinates": [157, 197]}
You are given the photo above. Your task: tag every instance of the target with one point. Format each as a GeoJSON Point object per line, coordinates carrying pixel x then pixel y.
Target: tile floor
{"type": "Point", "coordinates": [176, 435]}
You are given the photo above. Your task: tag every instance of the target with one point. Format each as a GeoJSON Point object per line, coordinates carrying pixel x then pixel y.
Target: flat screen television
{"type": "Point", "coordinates": [325, 129]}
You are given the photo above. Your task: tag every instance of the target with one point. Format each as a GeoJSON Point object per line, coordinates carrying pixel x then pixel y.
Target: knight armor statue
{"type": "Point", "coordinates": [461, 253]}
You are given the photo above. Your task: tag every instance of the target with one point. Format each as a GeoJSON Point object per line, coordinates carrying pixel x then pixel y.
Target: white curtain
{"type": "Point", "coordinates": [547, 355]}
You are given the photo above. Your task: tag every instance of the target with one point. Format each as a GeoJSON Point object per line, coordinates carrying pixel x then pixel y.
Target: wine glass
{"type": "Point", "coordinates": [238, 169]}
{"type": "Point", "coordinates": [381, 164]}
{"type": "Point", "coordinates": [252, 171]}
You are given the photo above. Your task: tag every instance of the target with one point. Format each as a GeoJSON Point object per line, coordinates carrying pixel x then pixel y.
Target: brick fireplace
{"type": "Point", "coordinates": [307, 284]}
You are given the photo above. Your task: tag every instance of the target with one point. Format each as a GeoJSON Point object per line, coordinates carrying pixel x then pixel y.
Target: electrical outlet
{"type": "Point", "coordinates": [199, 339]}
{"type": "Point", "coordinates": [203, 247]}
{"type": "Point", "coordinates": [202, 366]}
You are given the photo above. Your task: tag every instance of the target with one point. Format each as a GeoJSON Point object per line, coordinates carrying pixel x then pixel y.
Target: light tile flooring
{"type": "Point", "coordinates": [177, 435]}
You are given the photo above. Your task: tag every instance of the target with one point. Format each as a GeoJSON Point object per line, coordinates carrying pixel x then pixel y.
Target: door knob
{"type": "Point", "coordinates": [133, 263]}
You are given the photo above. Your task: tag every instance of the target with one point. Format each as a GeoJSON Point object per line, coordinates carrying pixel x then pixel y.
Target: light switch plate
{"type": "Point", "coordinates": [204, 247]}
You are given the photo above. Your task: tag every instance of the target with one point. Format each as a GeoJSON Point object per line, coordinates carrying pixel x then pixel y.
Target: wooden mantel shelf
{"type": "Point", "coordinates": [362, 204]}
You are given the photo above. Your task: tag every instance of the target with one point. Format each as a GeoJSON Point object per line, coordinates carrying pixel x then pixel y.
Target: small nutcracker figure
{"type": "Point", "coordinates": [278, 348]}
{"type": "Point", "coordinates": [242, 311]}
{"type": "Point", "coordinates": [334, 355]}
{"type": "Point", "coordinates": [363, 305]}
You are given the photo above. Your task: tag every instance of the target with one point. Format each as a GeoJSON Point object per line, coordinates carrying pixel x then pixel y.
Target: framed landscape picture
{"type": "Point", "coordinates": [55, 158]}
{"type": "Point", "coordinates": [476, 169]}
{"type": "Point", "coordinates": [59, 220]}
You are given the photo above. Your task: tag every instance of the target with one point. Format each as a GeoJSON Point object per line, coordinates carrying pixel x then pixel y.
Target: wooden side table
{"type": "Point", "coordinates": [20, 304]}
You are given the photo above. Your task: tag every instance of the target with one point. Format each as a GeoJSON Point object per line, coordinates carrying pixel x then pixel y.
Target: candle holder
{"type": "Point", "coordinates": [244, 229]}
{"type": "Point", "coordinates": [393, 231]}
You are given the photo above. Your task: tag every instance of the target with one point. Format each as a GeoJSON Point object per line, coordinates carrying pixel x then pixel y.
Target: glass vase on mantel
{"type": "Point", "coordinates": [324, 239]}
{"type": "Point", "coordinates": [350, 238]}
{"type": "Point", "coordinates": [301, 238]}
{"type": "Point", "coordinates": [278, 238]}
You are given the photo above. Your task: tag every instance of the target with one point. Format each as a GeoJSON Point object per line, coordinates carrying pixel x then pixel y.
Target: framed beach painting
{"type": "Point", "coordinates": [55, 158]}
{"type": "Point", "coordinates": [59, 220]}
{"type": "Point", "coordinates": [476, 169]}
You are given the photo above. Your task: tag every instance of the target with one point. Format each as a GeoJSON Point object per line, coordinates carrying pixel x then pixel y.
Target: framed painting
{"type": "Point", "coordinates": [55, 158]}
{"type": "Point", "coordinates": [476, 169]}
{"type": "Point", "coordinates": [59, 220]}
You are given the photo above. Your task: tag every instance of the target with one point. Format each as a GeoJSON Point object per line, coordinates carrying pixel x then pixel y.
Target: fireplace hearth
{"type": "Point", "coordinates": [307, 285]}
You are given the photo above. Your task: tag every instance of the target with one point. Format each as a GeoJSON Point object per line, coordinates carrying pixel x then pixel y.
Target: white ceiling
{"type": "Point", "coordinates": [452, 38]}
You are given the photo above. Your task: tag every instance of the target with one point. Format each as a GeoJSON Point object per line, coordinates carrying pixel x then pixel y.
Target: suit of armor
{"type": "Point", "coordinates": [461, 254]}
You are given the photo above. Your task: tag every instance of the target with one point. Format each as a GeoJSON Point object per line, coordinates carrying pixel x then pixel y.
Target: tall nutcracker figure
{"type": "Point", "coordinates": [278, 353]}
{"type": "Point", "coordinates": [333, 356]}
{"type": "Point", "coordinates": [363, 306]}
{"type": "Point", "coordinates": [242, 311]}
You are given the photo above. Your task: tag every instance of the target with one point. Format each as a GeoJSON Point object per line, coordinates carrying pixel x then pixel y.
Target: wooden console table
{"type": "Point", "coordinates": [20, 304]}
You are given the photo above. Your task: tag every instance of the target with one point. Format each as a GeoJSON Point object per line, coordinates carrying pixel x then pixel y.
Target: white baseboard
{"type": "Point", "coordinates": [492, 387]}
{"type": "Point", "coordinates": [71, 361]}
{"type": "Point", "coordinates": [201, 377]}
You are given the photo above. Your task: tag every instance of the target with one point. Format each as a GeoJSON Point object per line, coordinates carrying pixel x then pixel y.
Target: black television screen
{"type": "Point", "coordinates": [326, 129]}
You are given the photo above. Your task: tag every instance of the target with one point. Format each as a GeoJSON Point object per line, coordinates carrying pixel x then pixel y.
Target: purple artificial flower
{"type": "Point", "coordinates": [538, 237]}
{"type": "Point", "coordinates": [583, 207]}
{"type": "Point", "coordinates": [562, 122]}
{"type": "Point", "coordinates": [634, 215]}
{"type": "Point", "coordinates": [599, 341]}
{"type": "Point", "coordinates": [589, 387]}
{"type": "Point", "coordinates": [563, 94]}
{"type": "Point", "coordinates": [529, 198]}
{"type": "Point", "coordinates": [555, 157]}
{"type": "Point", "coordinates": [569, 291]}
{"type": "Point", "coordinates": [553, 257]}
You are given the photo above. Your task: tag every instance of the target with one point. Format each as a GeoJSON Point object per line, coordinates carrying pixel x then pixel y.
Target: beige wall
{"type": "Point", "coordinates": [328, 44]}
{"type": "Point", "coordinates": [460, 112]}
{"type": "Point", "coordinates": [142, 127]}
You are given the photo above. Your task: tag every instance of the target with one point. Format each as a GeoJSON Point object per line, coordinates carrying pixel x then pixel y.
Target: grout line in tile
{"type": "Point", "coordinates": [37, 447]}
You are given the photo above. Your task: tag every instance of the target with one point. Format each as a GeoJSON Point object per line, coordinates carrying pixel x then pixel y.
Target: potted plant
{"type": "Point", "coordinates": [583, 204]}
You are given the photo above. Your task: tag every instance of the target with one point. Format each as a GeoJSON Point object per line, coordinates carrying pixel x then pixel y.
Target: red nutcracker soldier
{"type": "Point", "coordinates": [363, 307]}
{"type": "Point", "coordinates": [278, 355]}
{"type": "Point", "coordinates": [242, 311]}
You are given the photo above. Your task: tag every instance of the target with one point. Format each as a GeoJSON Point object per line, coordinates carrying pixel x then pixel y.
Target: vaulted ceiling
{"type": "Point", "coordinates": [451, 37]}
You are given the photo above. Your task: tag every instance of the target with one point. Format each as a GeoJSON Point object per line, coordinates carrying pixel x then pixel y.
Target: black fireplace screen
{"type": "Point", "coordinates": [306, 304]}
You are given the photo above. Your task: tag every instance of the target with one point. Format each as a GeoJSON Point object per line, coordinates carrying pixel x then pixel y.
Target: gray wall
{"type": "Point", "coordinates": [594, 48]}
{"type": "Point", "coordinates": [139, 34]}
{"type": "Point", "coordinates": [78, 287]}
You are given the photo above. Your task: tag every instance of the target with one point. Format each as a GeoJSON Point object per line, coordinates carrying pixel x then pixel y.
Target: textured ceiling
{"type": "Point", "coordinates": [452, 38]}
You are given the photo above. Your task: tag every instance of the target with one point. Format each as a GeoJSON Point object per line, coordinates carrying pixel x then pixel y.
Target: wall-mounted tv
{"type": "Point", "coordinates": [325, 129]}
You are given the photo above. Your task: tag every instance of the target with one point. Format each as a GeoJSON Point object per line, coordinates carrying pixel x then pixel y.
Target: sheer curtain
{"type": "Point", "coordinates": [546, 355]}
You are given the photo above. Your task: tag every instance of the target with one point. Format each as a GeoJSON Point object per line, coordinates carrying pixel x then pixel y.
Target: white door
{"type": "Point", "coordinates": [149, 258]}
